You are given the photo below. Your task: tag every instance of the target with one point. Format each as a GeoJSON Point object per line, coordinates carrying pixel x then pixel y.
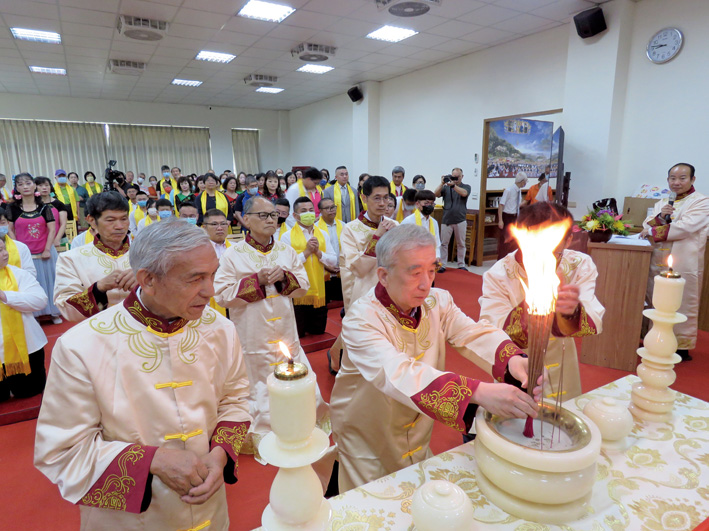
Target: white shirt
{"type": "Point", "coordinates": [511, 199]}
{"type": "Point", "coordinates": [411, 220]}
{"type": "Point", "coordinates": [26, 262]}
{"type": "Point", "coordinates": [328, 258]}
{"type": "Point", "coordinates": [219, 248]}
{"type": "Point", "coordinates": [333, 244]}
{"type": "Point", "coordinates": [543, 193]}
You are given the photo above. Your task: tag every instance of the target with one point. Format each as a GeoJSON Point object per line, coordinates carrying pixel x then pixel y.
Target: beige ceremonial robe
{"type": "Point", "coordinates": [124, 383]}
{"type": "Point", "coordinates": [78, 271]}
{"type": "Point", "coordinates": [685, 238]}
{"type": "Point", "coordinates": [263, 316]}
{"type": "Point", "coordinates": [502, 304]}
{"type": "Point", "coordinates": [358, 258]}
{"type": "Point", "coordinates": [392, 382]}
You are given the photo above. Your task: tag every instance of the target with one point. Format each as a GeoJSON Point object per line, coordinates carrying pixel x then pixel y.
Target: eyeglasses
{"type": "Point", "coordinates": [329, 209]}
{"type": "Point", "coordinates": [217, 224]}
{"type": "Point", "coordinates": [263, 216]}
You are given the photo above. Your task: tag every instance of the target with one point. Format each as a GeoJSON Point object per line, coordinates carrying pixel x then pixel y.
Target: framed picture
{"type": "Point", "coordinates": [518, 144]}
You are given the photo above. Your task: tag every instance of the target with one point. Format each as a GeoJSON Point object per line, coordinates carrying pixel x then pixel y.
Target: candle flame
{"type": "Point", "coordinates": [669, 261]}
{"type": "Point", "coordinates": [537, 245]}
{"type": "Point", "coordinates": [285, 350]}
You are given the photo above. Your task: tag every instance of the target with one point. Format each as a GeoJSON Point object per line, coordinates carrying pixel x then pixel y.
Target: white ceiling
{"type": "Point", "coordinates": [90, 39]}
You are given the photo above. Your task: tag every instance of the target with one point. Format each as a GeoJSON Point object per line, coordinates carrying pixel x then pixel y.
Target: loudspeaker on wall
{"type": "Point", "coordinates": [590, 22]}
{"type": "Point", "coordinates": [355, 94]}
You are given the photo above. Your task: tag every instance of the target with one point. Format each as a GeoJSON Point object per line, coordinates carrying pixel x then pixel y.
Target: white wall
{"type": "Point", "coordinates": [274, 149]}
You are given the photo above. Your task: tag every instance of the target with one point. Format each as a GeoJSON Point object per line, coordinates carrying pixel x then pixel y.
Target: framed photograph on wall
{"type": "Point", "coordinates": [518, 144]}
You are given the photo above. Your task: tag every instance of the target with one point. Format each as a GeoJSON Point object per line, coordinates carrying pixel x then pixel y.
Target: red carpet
{"type": "Point", "coordinates": [31, 502]}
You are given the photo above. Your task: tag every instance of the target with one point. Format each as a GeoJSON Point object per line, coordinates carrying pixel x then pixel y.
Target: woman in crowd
{"type": "Point", "coordinates": [325, 175]}
{"type": "Point", "coordinates": [273, 191]}
{"type": "Point", "coordinates": [60, 211]}
{"type": "Point", "coordinates": [290, 178]}
{"type": "Point", "coordinates": [231, 185]}
{"type": "Point", "coordinates": [22, 345]}
{"type": "Point", "coordinates": [79, 190]}
{"type": "Point", "coordinates": [391, 206]}
{"type": "Point", "coordinates": [184, 194]}
{"type": "Point", "coordinates": [362, 200]}
{"type": "Point", "coordinates": [419, 182]}
{"type": "Point", "coordinates": [261, 183]}
{"type": "Point", "coordinates": [199, 183]}
{"type": "Point", "coordinates": [32, 223]}
{"type": "Point", "coordinates": [153, 188]}
{"type": "Point", "coordinates": [282, 183]}
{"type": "Point", "coordinates": [241, 179]}
{"type": "Point", "coordinates": [91, 186]}
{"type": "Point", "coordinates": [298, 174]}
{"type": "Point", "coordinates": [212, 198]}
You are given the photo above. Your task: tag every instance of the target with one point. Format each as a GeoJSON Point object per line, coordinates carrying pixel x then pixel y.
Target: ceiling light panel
{"type": "Point", "coordinates": [47, 70]}
{"type": "Point", "coordinates": [391, 34]}
{"type": "Point", "coordinates": [269, 90]}
{"type": "Point", "coordinates": [215, 57]}
{"type": "Point", "coordinates": [186, 82]}
{"type": "Point", "coordinates": [315, 69]}
{"type": "Point", "coordinates": [36, 35]}
{"type": "Point", "coordinates": [265, 11]}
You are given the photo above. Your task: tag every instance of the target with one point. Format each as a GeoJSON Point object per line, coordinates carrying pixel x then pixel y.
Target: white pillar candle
{"type": "Point", "coordinates": [291, 398]}
{"type": "Point", "coordinates": [667, 295]}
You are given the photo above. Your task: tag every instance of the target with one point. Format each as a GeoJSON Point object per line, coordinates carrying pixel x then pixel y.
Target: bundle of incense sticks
{"type": "Point", "coordinates": [539, 327]}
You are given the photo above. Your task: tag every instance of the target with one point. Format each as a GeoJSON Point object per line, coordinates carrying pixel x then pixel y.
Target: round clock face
{"type": "Point", "coordinates": [664, 45]}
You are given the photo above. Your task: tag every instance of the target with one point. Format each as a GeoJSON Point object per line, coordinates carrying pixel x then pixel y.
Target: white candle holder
{"type": "Point", "coordinates": [296, 497]}
{"type": "Point", "coordinates": [651, 398]}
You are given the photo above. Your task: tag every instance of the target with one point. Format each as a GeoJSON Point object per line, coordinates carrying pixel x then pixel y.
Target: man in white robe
{"type": "Point", "coordinates": [392, 383]}
{"type": "Point", "coordinates": [681, 230]}
{"type": "Point", "coordinates": [146, 404]}
{"type": "Point", "coordinates": [95, 276]}
{"type": "Point", "coordinates": [578, 312]}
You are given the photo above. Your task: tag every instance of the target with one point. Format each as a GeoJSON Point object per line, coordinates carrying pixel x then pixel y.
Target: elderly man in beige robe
{"type": "Point", "coordinates": [145, 408]}
{"type": "Point", "coordinates": [578, 312]}
{"type": "Point", "coordinates": [392, 383]}
{"type": "Point", "coordinates": [681, 230]}
{"type": "Point", "coordinates": [95, 276]}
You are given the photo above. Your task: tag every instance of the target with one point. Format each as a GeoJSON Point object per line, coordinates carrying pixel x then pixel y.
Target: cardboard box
{"type": "Point", "coordinates": [635, 210]}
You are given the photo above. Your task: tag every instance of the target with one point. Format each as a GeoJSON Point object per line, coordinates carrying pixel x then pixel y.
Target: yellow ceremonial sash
{"type": "Point", "coordinates": [282, 230]}
{"type": "Point", "coordinates": [338, 224]}
{"type": "Point", "coordinates": [14, 253]}
{"type": "Point", "coordinates": [392, 188]}
{"type": "Point", "coordinates": [419, 221]}
{"type": "Point", "coordinates": [316, 272]}
{"type": "Point", "coordinates": [59, 192]}
{"type": "Point", "coordinates": [93, 188]}
{"type": "Point", "coordinates": [338, 201]}
{"type": "Point", "coordinates": [212, 302]}
{"type": "Point", "coordinates": [221, 202]}
{"type": "Point", "coordinates": [303, 193]}
{"type": "Point", "coordinates": [88, 237]}
{"type": "Point", "coordinates": [363, 200]}
{"type": "Point", "coordinates": [400, 211]}
{"type": "Point", "coordinates": [138, 215]}
{"type": "Point", "coordinates": [17, 360]}
{"type": "Point", "coordinates": [149, 220]}
{"type": "Point", "coordinates": [6, 194]}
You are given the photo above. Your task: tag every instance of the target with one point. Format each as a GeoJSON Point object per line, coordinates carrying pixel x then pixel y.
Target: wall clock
{"type": "Point", "coordinates": [664, 45]}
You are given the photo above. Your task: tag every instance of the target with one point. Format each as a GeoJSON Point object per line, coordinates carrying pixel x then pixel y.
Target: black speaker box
{"type": "Point", "coordinates": [355, 94]}
{"type": "Point", "coordinates": [590, 22]}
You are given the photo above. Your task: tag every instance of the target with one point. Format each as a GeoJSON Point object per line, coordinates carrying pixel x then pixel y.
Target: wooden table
{"type": "Point", "coordinates": [622, 281]}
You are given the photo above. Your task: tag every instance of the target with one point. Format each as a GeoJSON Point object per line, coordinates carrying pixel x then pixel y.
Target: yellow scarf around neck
{"type": "Point", "coordinates": [282, 230]}
{"type": "Point", "coordinates": [89, 237]}
{"type": "Point", "coordinates": [324, 226]}
{"type": "Point", "coordinates": [14, 253]}
{"type": "Point", "coordinates": [363, 199]}
{"type": "Point", "coordinates": [221, 202]}
{"type": "Point", "coordinates": [400, 211]}
{"type": "Point", "coordinates": [419, 221]}
{"type": "Point", "coordinates": [316, 272]}
{"type": "Point", "coordinates": [338, 201]}
{"type": "Point", "coordinates": [392, 188]}
{"type": "Point", "coordinates": [138, 215]}
{"type": "Point", "coordinates": [59, 192]}
{"type": "Point", "coordinates": [93, 188]}
{"type": "Point", "coordinates": [17, 360]}
{"type": "Point", "coordinates": [149, 220]}
{"type": "Point", "coordinates": [304, 193]}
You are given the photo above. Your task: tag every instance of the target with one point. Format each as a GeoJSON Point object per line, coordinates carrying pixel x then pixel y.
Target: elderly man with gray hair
{"type": "Point", "coordinates": [146, 406]}
{"type": "Point", "coordinates": [392, 383]}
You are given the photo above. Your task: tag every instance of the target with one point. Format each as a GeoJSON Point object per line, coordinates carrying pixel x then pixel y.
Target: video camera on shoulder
{"type": "Point", "coordinates": [112, 176]}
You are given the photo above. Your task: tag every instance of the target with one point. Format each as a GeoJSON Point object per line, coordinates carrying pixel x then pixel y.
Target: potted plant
{"type": "Point", "coordinates": [601, 224]}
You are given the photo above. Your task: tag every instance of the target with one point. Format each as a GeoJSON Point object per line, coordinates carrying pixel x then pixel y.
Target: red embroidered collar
{"type": "Point", "coordinates": [256, 245]}
{"type": "Point", "coordinates": [141, 314]}
{"type": "Point", "coordinates": [688, 192]}
{"type": "Point", "coordinates": [368, 222]}
{"type": "Point", "coordinates": [112, 252]}
{"type": "Point", "coordinates": [408, 321]}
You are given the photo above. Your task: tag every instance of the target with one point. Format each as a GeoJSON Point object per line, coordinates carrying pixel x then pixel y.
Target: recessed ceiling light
{"type": "Point", "coordinates": [265, 11]}
{"type": "Point", "coordinates": [186, 82]}
{"type": "Point", "coordinates": [215, 57]}
{"type": "Point", "coordinates": [315, 69]}
{"type": "Point", "coordinates": [36, 35]}
{"type": "Point", "coordinates": [391, 34]}
{"type": "Point", "coordinates": [47, 70]}
{"type": "Point", "coordinates": [269, 90]}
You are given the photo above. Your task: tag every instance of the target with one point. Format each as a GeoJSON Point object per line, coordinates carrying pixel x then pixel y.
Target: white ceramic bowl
{"type": "Point", "coordinates": [439, 505]}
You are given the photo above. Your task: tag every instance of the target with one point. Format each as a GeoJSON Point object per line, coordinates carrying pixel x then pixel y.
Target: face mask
{"type": "Point", "coordinates": [281, 220]}
{"type": "Point", "coordinates": [152, 211]}
{"type": "Point", "coordinates": [164, 214]}
{"type": "Point", "coordinates": [140, 180]}
{"type": "Point", "coordinates": [409, 207]}
{"type": "Point", "coordinates": [166, 174]}
{"type": "Point", "coordinates": [323, 182]}
{"type": "Point", "coordinates": [427, 210]}
{"type": "Point", "coordinates": [307, 218]}
{"type": "Point", "coordinates": [191, 221]}
{"type": "Point", "coordinates": [90, 178]}
{"type": "Point", "coordinates": [284, 187]}
{"type": "Point", "coordinates": [279, 174]}
{"type": "Point", "coordinates": [420, 185]}
{"type": "Point", "coordinates": [253, 191]}
{"type": "Point", "coordinates": [3, 230]}
{"type": "Point", "coordinates": [167, 189]}
{"type": "Point", "coordinates": [143, 203]}
{"type": "Point", "coordinates": [61, 180]}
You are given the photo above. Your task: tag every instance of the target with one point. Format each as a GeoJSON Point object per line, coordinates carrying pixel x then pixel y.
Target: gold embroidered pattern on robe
{"type": "Point", "coordinates": [234, 437]}
{"type": "Point", "coordinates": [250, 291]}
{"type": "Point", "coordinates": [504, 352]}
{"type": "Point", "coordinates": [660, 232]}
{"type": "Point", "coordinates": [444, 404]}
{"type": "Point", "coordinates": [515, 326]}
{"type": "Point", "coordinates": [112, 495]}
{"type": "Point", "coordinates": [586, 325]}
{"type": "Point", "coordinates": [290, 284]}
{"type": "Point", "coordinates": [371, 249]}
{"type": "Point", "coordinates": [84, 303]}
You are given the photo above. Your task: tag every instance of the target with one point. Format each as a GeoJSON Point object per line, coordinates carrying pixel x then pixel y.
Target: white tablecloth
{"type": "Point", "coordinates": [659, 483]}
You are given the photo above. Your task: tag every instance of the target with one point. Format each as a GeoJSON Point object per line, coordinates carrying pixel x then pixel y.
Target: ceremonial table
{"type": "Point", "coordinates": [659, 482]}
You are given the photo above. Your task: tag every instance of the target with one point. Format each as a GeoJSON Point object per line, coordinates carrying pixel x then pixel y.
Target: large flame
{"type": "Point", "coordinates": [285, 350]}
{"type": "Point", "coordinates": [670, 261]}
{"type": "Point", "coordinates": [537, 245]}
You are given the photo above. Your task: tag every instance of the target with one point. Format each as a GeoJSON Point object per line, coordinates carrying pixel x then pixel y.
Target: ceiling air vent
{"type": "Point", "coordinates": [258, 80]}
{"type": "Point", "coordinates": [407, 8]}
{"type": "Point", "coordinates": [130, 68]}
{"type": "Point", "coordinates": [313, 53]}
{"type": "Point", "coordinates": [142, 29]}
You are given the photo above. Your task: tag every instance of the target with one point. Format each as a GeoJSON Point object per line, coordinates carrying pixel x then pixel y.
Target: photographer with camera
{"type": "Point", "coordinates": [455, 199]}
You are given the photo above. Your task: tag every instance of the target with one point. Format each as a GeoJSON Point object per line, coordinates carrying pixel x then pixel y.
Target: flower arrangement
{"type": "Point", "coordinates": [603, 220]}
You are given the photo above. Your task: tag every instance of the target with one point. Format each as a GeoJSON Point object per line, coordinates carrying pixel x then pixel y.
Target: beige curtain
{"type": "Point", "coordinates": [144, 148]}
{"type": "Point", "coordinates": [245, 144]}
{"type": "Point", "coordinates": [40, 147]}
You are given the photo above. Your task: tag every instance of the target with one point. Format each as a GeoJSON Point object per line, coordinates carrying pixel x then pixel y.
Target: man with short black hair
{"type": "Point", "coordinates": [138, 213]}
{"type": "Point", "coordinates": [283, 209]}
{"type": "Point", "coordinates": [397, 181]}
{"type": "Point", "coordinates": [251, 191]}
{"type": "Point", "coordinates": [308, 186]}
{"type": "Point", "coordinates": [216, 225]}
{"type": "Point", "coordinates": [405, 205]}
{"type": "Point", "coordinates": [189, 213]}
{"type": "Point", "coordinates": [166, 179]}
{"type": "Point", "coordinates": [425, 203]}
{"type": "Point", "coordinates": [343, 196]}
{"type": "Point", "coordinates": [453, 223]}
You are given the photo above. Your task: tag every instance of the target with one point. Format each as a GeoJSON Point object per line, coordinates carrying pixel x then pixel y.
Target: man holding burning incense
{"type": "Point", "coordinates": [578, 312]}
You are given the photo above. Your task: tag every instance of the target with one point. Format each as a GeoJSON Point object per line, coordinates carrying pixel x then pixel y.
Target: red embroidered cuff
{"type": "Point", "coordinates": [660, 233]}
{"type": "Point", "coordinates": [657, 221]}
{"type": "Point", "coordinates": [250, 290]}
{"type": "Point", "coordinates": [504, 352]}
{"type": "Point", "coordinates": [125, 484]}
{"type": "Point", "coordinates": [586, 326]}
{"type": "Point", "coordinates": [230, 436]}
{"type": "Point", "coordinates": [85, 302]}
{"type": "Point", "coordinates": [516, 325]}
{"type": "Point", "coordinates": [446, 398]}
{"type": "Point", "coordinates": [287, 285]}
{"type": "Point", "coordinates": [371, 249]}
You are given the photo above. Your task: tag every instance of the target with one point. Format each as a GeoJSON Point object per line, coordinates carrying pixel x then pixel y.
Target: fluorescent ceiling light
{"type": "Point", "coordinates": [265, 11]}
{"type": "Point", "coordinates": [315, 69]}
{"type": "Point", "coordinates": [391, 34]}
{"type": "Point", "coordinates": [46, 70]}
{"type": "Point", "coordinates": [36, 36]}
{"type": "Point", "coordinates": [215, 57]}
{"type": "Point", "coordinates": [269, 90]}
{"type": "Point", "coordinates": [186, 82]}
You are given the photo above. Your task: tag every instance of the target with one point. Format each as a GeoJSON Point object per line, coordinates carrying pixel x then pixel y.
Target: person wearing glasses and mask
{"type": "Point", "coordinates": [257, 280]}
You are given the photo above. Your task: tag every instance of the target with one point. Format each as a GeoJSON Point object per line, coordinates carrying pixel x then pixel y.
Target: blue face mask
{"type": "Point", "coordinates": [253, 191]}
{"type": "Point", "coordinates": [4, 230]}
{"type": "Point", "coordinates": [323, 182]}
{"type": "Point", "coordinates": [166, 174]}
{"type": "Point", "coordinates": [191, 221]}
{"type": "Point", "coordinates": [61, 180]}
{"type": "Point", "coordinates": [143, 203]}
{"type": "Point", "coordinates": [164, 214]}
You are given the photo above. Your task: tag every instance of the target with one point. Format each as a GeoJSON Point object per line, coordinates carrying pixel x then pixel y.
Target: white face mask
{"type": "Point", "coordinates": [152, 211]}
{"type": "Point", "coordinates": [284, 187]}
